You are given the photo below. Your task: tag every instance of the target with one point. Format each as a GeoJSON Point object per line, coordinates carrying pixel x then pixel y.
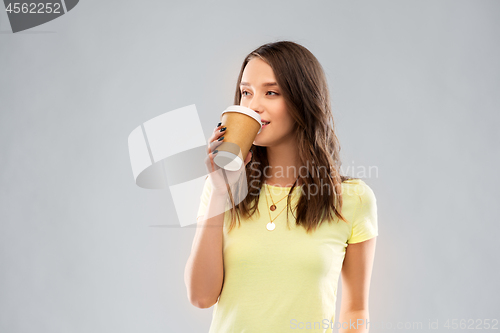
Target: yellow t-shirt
{"type": "Point", "coordinates": [286, 280]}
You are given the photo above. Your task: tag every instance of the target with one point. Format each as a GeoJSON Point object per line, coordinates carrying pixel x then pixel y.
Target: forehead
{"type": "Point", "coordinates": [257, 72]}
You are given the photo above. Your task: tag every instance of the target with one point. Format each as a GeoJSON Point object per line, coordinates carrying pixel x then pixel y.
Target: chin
{"type": "Point", "coordinates": [259, 143]}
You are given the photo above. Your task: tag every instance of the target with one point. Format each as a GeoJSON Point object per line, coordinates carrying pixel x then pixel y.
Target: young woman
{"type": "Point", "coordinates": [275, 271]}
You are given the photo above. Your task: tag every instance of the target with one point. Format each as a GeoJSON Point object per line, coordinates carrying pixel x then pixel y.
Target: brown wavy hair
{"type": "Point", "coordinates": [304, 87]}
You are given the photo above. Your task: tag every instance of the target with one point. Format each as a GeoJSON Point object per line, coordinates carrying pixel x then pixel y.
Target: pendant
{"type": "Point", "coordinates": [272, 208]}
{"type": "Point", "coordinates": [270, 226]}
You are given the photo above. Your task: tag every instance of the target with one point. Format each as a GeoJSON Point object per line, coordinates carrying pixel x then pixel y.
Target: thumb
{"type": "Point", "coordinates": [249, 157]}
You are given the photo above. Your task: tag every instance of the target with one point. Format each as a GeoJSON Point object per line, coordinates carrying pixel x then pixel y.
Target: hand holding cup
{"type": "Point", "coordinates": [216, 173]}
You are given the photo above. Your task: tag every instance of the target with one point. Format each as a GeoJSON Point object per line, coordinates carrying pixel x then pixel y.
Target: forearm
{"type": "Point", "coordinates": [204, 272]}
{"type": "Point", "coordinates": [354, 321]}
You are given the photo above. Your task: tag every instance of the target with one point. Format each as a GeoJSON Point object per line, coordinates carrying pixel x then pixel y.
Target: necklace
{"type": "Point", "coordinates": [271, 226]}
{"type": "Point", "coordinates": [273, 206]}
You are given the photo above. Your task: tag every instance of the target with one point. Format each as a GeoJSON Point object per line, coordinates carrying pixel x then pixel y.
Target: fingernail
{"type": "Point", "coordinates": [219, 124]}
{"type": "Point", "coordinates": [222, 129]}
{"type": "Point", "coordinates": [215, 151]}
{"type": "Point", "coordinates": [220, 139]}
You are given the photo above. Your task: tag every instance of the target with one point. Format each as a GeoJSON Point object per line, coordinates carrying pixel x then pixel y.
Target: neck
{"type": "Point", "coordinates": [284, 164]}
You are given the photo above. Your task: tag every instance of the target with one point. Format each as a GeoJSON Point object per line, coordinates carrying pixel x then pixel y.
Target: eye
{"type": "Point", "coordinates": [243, 93]}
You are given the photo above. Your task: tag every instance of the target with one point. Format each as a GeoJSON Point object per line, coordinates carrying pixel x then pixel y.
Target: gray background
{"type": "Point", "coordinates": [414, 89]}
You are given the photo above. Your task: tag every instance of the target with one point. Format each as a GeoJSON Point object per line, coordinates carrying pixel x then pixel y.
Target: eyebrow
{"type": "Point", "coordinates": [266, 84]}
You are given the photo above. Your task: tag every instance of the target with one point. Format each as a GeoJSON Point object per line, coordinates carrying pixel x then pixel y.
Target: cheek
{"type": "Point", "coordinates": [284, 117]}
{"type": "Point", "coordinates": [286, 123]}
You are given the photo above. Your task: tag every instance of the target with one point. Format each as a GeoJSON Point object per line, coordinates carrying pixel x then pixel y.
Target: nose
{"type": "Point", "coordinates": [255, 105]}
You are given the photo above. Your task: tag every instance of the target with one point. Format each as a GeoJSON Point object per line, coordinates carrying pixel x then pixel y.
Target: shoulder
{"type": "Point", "coordinates": [358, 190]}
{"type": "Point", "coordinates": [362, 205]}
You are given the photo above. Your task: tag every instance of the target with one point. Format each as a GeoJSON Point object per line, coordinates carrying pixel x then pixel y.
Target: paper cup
{"type": "Point", "coordinates": [243, 125]}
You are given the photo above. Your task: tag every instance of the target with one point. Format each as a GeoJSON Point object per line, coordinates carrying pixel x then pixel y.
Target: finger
{"type": "Point", "coordinates": [220, 131]}
{"type": "Point", "coordinates": [210, 164]}
{"type": "Point", "coordinates": [213, 146]}
{"type": "Point", "coordinates": [249, 157]}
{"type": "Point", "coordinates": [216, 129]}
{"type": "Point", "coordinates": [217, 138]}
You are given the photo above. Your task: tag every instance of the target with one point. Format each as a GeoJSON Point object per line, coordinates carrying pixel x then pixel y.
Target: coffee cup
{"type": "Point", "coordinates": [243, 125]}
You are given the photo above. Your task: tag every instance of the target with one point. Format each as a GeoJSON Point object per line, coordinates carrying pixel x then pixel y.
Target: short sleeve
{"type": "Point", "coordinates": [205, 196]}
{"type": "Point", "coordinates": [364, 224]}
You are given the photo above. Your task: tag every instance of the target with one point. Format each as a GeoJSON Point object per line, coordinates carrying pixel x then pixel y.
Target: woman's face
{"type": "Point", "coordinates": [261, 93]}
